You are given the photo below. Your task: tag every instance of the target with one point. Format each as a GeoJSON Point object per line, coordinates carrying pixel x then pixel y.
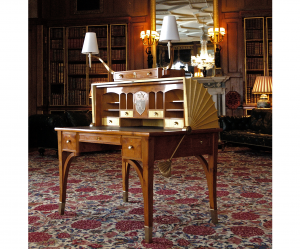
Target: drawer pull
{"type": "Point", "coordinates": [120, 75]}
{"type": "Point", "coordinates": [126, 113]}
{"type": "Point", "coordinates": [201, 142]}
{"type": "Point", "coordinates": [130, 147]}
{"type": "Point", "coordinates": [149, 73]}
{"type": "Point", "coordinates": [110, 121]}
{"type": "Point", "coordinates": [98, 138]}
{"type": "Point", "coordinates": [176, 123]}
{"type": "Point", "coordinates": [155, 113]}
{"type": "Point", "coordinates": [68, 141]}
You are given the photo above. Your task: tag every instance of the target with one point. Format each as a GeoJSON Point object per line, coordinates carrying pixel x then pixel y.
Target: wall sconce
{"type": "Point", "coordinates": [217, 36]}
{"type": "Point", "coordinates": [90, 47]}
{"type": "Point", "coordinates": [169, 32]}
{"type": "Point", "coordinates": [150, 37]}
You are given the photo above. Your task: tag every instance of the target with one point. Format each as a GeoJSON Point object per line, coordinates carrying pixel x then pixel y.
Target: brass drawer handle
{"type": "Point", "coordinates": [201, 142]}
{"type": "Point", "coordinates": [68, 141]}
{"type": "Point", "coordinates": [130, 147]}
{"type": "Point", "coordinates": [98, 138]}
{"type": "Point", "coordinates": [126, 113]}
{"type": "Point", "coordinates": [110, 121]}
{"type": "Point", "coordinates": [155, 113]}
{"type": "Point", "coordinates": [149, 73]}
{"type": "Point", "coordinates": [120, 75]}
{"type": "Point", "coordinates": [175, 123]}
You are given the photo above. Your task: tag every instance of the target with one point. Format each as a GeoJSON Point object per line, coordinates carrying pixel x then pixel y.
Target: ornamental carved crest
{"type": "Point", "coordinates": [140, 101]}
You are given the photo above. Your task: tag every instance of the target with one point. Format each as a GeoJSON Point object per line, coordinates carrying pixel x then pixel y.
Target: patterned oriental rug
{"type": "Point", "coordinates": [97, 217]}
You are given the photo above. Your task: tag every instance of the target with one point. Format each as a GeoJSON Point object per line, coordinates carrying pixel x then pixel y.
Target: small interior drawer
{"type": "Point", "coordinates": [110, 121]}
{"type": "Point", "coordinates": [156, 114]}
{"type": "Point", "coordinates": [174, 123]}
{"type": "Point", "coordinates": [126, 114]}
{"type": "Point", "coordinates": [99, 138]}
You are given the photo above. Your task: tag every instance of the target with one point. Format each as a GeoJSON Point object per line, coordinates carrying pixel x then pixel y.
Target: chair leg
{"type": "Point", "coordinates": [41, 151]}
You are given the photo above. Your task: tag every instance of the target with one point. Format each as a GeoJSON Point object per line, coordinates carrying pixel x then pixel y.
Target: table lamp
{"type": "Point", "coordinates": [90, 47]}
{"type": "Point", "coordinates": [169, 32]}
{"type": "Point", "coordinates": [263, 86]}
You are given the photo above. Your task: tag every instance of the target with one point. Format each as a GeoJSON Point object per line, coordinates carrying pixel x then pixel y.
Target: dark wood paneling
{"type": "Point", "coordinates": [137, 57]}
{"type": "Point", "coordinates": [232, 45]}
{"type": "Point", "coordinates": [32, 67]}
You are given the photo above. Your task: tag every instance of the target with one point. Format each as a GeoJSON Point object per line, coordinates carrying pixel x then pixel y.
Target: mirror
{"type": "Point", "coordinates": [193, 19]}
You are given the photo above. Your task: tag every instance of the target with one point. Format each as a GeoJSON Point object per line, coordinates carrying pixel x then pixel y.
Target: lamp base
{"type": "Point", "coordinates": [263, 102]}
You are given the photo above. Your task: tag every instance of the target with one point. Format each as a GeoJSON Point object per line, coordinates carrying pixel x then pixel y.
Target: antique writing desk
{"type": "Point", "coordinates": [148, 119]}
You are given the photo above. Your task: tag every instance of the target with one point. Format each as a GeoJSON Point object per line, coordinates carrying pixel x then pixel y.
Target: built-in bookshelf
{"type": "Point", "coordinates": [118, 36]}
{"type": "Point", "coordinates": [70, 77]}
{"type": "Point", "coordinates": [258, 54]}
{"type": "Point", "coordinates": [56, 66]}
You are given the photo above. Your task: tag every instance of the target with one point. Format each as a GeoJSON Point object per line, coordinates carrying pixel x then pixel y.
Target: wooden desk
{"type": "Point", "coordinates": [143, 145]}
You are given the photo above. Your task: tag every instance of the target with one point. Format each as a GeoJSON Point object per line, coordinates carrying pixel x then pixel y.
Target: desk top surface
{"type": "Point", "coordinates": [133, 131]}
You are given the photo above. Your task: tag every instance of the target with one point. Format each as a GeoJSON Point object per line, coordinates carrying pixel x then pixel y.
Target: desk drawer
{"type": "Point", "coordinates": [174, 123]}
{"type": "Point", "coordinates": [138, 74]}
{"type": "Point", "coordinates": [126, 114]}
{"type": "Point", "coordinates": [69, 141]}
{"type": "Point", "coordinates": [202, 143]}
{"type": "Point", "coordinates": [131, 147]}
{"type": "Point", "coordinates": [99, 138]}
{"type": "Point", "coordinates": [110, 121]}
{"type": "Point", "coordinates": [156, 114]}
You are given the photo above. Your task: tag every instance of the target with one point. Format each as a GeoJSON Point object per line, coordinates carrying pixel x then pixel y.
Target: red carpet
{"type": "Point", "coordinates": [97, 217]}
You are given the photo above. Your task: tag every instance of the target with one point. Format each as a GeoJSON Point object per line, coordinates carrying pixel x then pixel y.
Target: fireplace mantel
{"type": "Point", "coordinates": [216, 87]}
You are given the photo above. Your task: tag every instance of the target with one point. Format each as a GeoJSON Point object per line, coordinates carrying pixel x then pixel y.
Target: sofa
{"type": "Point", "coordinates": [41, 133]}
{"type": "Point", "coordinates": [253, 131]}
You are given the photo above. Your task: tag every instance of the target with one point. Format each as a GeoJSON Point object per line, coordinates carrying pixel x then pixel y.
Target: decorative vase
{"type": "Point", "coordinates": [204, 71]}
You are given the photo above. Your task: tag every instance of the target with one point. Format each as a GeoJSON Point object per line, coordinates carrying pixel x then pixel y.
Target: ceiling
{"type": "Point", "coordinates": [191, 15]}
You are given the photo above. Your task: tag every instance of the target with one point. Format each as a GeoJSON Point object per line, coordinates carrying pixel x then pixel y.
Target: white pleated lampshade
{"type": "Point", "coordinates": [169, 31]}
{"type": "Point", "coordinates": [263, 85]}
{"type": "Point", "coordinates": [90, 44]}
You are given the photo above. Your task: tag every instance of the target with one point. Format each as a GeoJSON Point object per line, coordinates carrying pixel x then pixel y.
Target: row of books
{"type": "Point", "coordinates": [269, 34]}
{"type": "Point", "coordinates": [270, 48]}
{"type": "Point", "coordinates": [56, 33]}
{"type": "Point", "coordinates": [57, 44]}
{"type": "Point", "coordinates": [118, 54]}
{"type": "Point", "coordinates": [77, 97]}
{"type": "Point", "coordinates": [119, 67]}
{"type": "Point", "coordinates": [254, 34]}
{"type": "Point", "coordinates": [56, 55]}
{"type": "Point", "coordinates": [56, 72]}
{"type": "Point", "coordinates": [77, 68]}
{"type": "Point", "coordinates": [251, 79]}
{"type": "Point", "coordinates": [118, 41]}
{"type": "Point", "coordinates": [57, 99]}
{"type": "Point", "coordinates": [95, 80]}
{"type": "Point", "coordinates": [255, 63]}
{"type": "Point", "coordinates": [255, 23]}
{"type": "Point", "coordinates": [102, 42]}
{"type": "Point", "coordinates": [102, 55]}
{"type": "Point", "coordinates": [100, 31]}
{"type": "Point", "coordinates": [75, 43]}
{"type": "Point", "coordinates": [76, 55]}
{"type": "Point", "coordinates": [254, 48]}
{"type": "Point", "coordinates": [76, 83]}
{"type": "Point", "coordinates": [118, 30]}
{"type": "Point", "coordinates": [77, 32]}
{"type": "Point", "coordinates": [270, 62]}
{"type": "Point", "coordinates": [97, 68]}
{"type": "Point", "coordinates": [252, 98]}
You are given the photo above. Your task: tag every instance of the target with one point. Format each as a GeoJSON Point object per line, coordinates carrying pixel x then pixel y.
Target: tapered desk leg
{"type": "Point", "coordinates": [125, 176]}
{"type": "Point", "coordinates": [147, 186]}
{"type": "Point", "coordinates": [210, 169]}
{"type": "Point", "coordinates": [65, 159]}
